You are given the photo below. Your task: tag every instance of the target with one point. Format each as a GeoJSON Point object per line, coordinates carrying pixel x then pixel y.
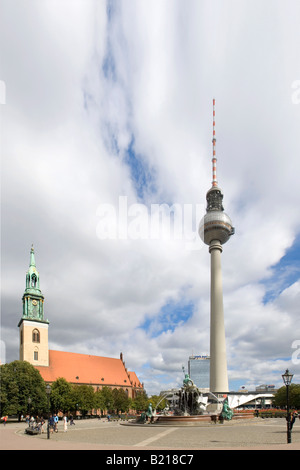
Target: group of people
{"type": "Point", "coordinates": [38, 423]}
{"type": "Point", "coordinates": [53, 423]}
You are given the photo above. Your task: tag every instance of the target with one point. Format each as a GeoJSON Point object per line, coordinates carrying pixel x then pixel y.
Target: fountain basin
{"type": "Point", "coordinates": [192, 420]}
{"type": "Point", "coordinates": [196, 420]}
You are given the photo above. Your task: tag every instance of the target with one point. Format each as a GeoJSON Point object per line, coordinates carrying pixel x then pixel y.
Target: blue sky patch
{"type": "Point", "coordinates": [285, 273]}
{"type": "Point", "coordinates": [169, 317]}
{"type": "Point", "coordinates": [143, 177]}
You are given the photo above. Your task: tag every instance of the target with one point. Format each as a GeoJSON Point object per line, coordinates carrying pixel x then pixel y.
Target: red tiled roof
{"type": "Point", "coordinates": [85, 369]}
{"type": "Point", "coordinates": [134, 379]}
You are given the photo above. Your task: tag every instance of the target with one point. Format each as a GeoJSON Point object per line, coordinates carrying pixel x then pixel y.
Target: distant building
{"type": "Point", "coordinates": [75, 368]}
{"type": "Point", "coordinates": [198, 368]}
{"type": "Point", "coordinates": [265, 388]}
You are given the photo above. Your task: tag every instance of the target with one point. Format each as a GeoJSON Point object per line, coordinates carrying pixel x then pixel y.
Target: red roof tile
{"type": "Point", "coordinates": [85, 369]}
{"type": "Point", "coordinates": [134, 379]}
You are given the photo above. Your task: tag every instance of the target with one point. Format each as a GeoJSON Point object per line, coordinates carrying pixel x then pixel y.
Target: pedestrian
{"type": "Point", "coordinates": [38, 424]}
{"type": "Point", "coordinates": [71, 420]}
{"type": "Point", "coordinates": [42, 425]}
{"type": "Point", "coordinates": [65, 419]}
{"type": "Point", "coordinates": [293, 419]}
{"type": "Point", "coordinates": [51, 423]}
{"type": "Point", "coordinates": [55, 422]}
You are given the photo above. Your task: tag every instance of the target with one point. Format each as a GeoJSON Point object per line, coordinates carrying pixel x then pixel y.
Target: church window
{"type": "Point", "coordinates": [36, 355]}
{"type": "Point", "coordinates": [33, 280]}
{"type": "Point", "coordinates": [36, 336]}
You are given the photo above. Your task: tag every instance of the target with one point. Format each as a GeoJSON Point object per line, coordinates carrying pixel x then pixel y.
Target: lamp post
{"type": "Point", "coordinates": [48, 391]}
{"type": "Point", "coordinates": [287, 379]}
{"type": "Point", "coordinates": [29, 403]}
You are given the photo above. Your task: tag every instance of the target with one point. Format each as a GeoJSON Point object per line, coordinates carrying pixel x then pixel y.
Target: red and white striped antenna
{"type": "Point", "coordinates": [214, 159]}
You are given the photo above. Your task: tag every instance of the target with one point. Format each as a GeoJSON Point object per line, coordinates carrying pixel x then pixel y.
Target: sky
{"type": "Point", "coordinates": [106, 147]}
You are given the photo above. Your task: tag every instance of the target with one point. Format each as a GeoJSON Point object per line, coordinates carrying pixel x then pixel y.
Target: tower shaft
{"type": "Point", "coordinates": [218, 362]}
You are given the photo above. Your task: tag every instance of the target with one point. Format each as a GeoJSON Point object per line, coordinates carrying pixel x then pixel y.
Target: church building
{"type": "Point", "coordinates": [76, 368]}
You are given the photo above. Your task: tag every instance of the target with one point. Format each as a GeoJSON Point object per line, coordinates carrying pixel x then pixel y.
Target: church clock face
{"type": "Point", "coordinates": [34, 308]}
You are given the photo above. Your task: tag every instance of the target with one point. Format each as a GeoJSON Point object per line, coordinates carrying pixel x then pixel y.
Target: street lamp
{"type": "Point", "coordinates": [48, 391]}
{"type": "Point", "coordinates": [29, 403]}
{"type": "Point", "coordinates": [287, 380]}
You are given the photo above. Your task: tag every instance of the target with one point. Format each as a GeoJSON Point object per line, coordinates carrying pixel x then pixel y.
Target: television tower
{"type": "Point", "coordinates": [215, 229]}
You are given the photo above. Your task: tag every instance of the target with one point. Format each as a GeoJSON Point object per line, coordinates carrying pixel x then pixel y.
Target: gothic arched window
{"type": "Point", "coordinates": [35, 336]}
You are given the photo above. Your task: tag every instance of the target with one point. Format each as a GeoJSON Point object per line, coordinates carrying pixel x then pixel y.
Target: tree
{"type": "Point", "coordinates": [140, 402]}
{"type": "Point", "coordinates": [61, 395]}
{"type": "Point", "coordinates": [82, 397]}
{"type": "Point", "coordinates": [120, 400]}
{"type": "Point", "coordinates": [99, 401]}
{"type": "Point", "coordinates": [23, 389]}
{"type": "Point", "coordinates": [294, 396]}
{"type": "Point", "coordinates": [105, 398]}
{"type": "Point", "coordinates": [158, 402]}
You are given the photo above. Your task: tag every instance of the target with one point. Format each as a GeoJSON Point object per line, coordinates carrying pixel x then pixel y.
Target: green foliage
{"type": "Point", "coordinates": [140, 402]}
{"type": "Point", "coordinates": [23, 389]}
{"type": "Point", "coordinates": [120, 400]}
{"type": "Point", "coordinates": [104, 399]}
{"type": "Point", "coordinates": [294, 396]}
{"type": "Point", "coordinates": [158, 402]}
{"type": "Point", "coordinates": [82, 398]}
{"type": "Point", "coordinates": [61, 395]}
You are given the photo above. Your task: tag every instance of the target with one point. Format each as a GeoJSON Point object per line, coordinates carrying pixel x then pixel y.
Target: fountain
{"type": "Point", "coordinates": [191, 401]}
{"type": "Point", "coordinates": [190, 408]}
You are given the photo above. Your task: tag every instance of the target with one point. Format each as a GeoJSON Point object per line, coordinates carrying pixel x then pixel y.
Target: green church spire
{"type": "Point", "coordinates": [33, 299]}
{"type": "Point", "coordinates": [32, 276]}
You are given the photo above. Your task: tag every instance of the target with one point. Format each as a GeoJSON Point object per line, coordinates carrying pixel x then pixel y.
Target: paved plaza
{"type": "Point", "coordinates": [253, 434]}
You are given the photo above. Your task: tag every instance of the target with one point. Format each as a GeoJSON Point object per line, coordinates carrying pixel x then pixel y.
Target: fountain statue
{"type": "Point", "coordinates": [149, 412]}
{"type": "Point", "coordinates": [191, 401]}
{"type": "Point", "coordinates": [227, 412]}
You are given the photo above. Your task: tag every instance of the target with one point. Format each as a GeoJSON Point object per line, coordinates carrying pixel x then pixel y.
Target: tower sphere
{"type": "Point", "coordinates": [216, 224]}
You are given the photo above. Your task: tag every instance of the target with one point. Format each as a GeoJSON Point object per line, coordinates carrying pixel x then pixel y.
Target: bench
{"type": "Point", "coordinates": [32, 431]}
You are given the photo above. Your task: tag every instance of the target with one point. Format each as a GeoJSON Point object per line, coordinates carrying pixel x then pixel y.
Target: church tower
{"type": "Point", "coordinates": [33, 327]}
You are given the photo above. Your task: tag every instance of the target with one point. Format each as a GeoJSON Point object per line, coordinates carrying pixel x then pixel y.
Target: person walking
{"type": "Point", "coordinates": [42, 425]}
{"type": "Point", "coordinates": [65, 419]}
{"type": "Point", "coordinates": [51, 423]}
{"type": "Point", "coordinates": [55, 423]}
{"type": "Point", "coordinates": [293, 419]}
